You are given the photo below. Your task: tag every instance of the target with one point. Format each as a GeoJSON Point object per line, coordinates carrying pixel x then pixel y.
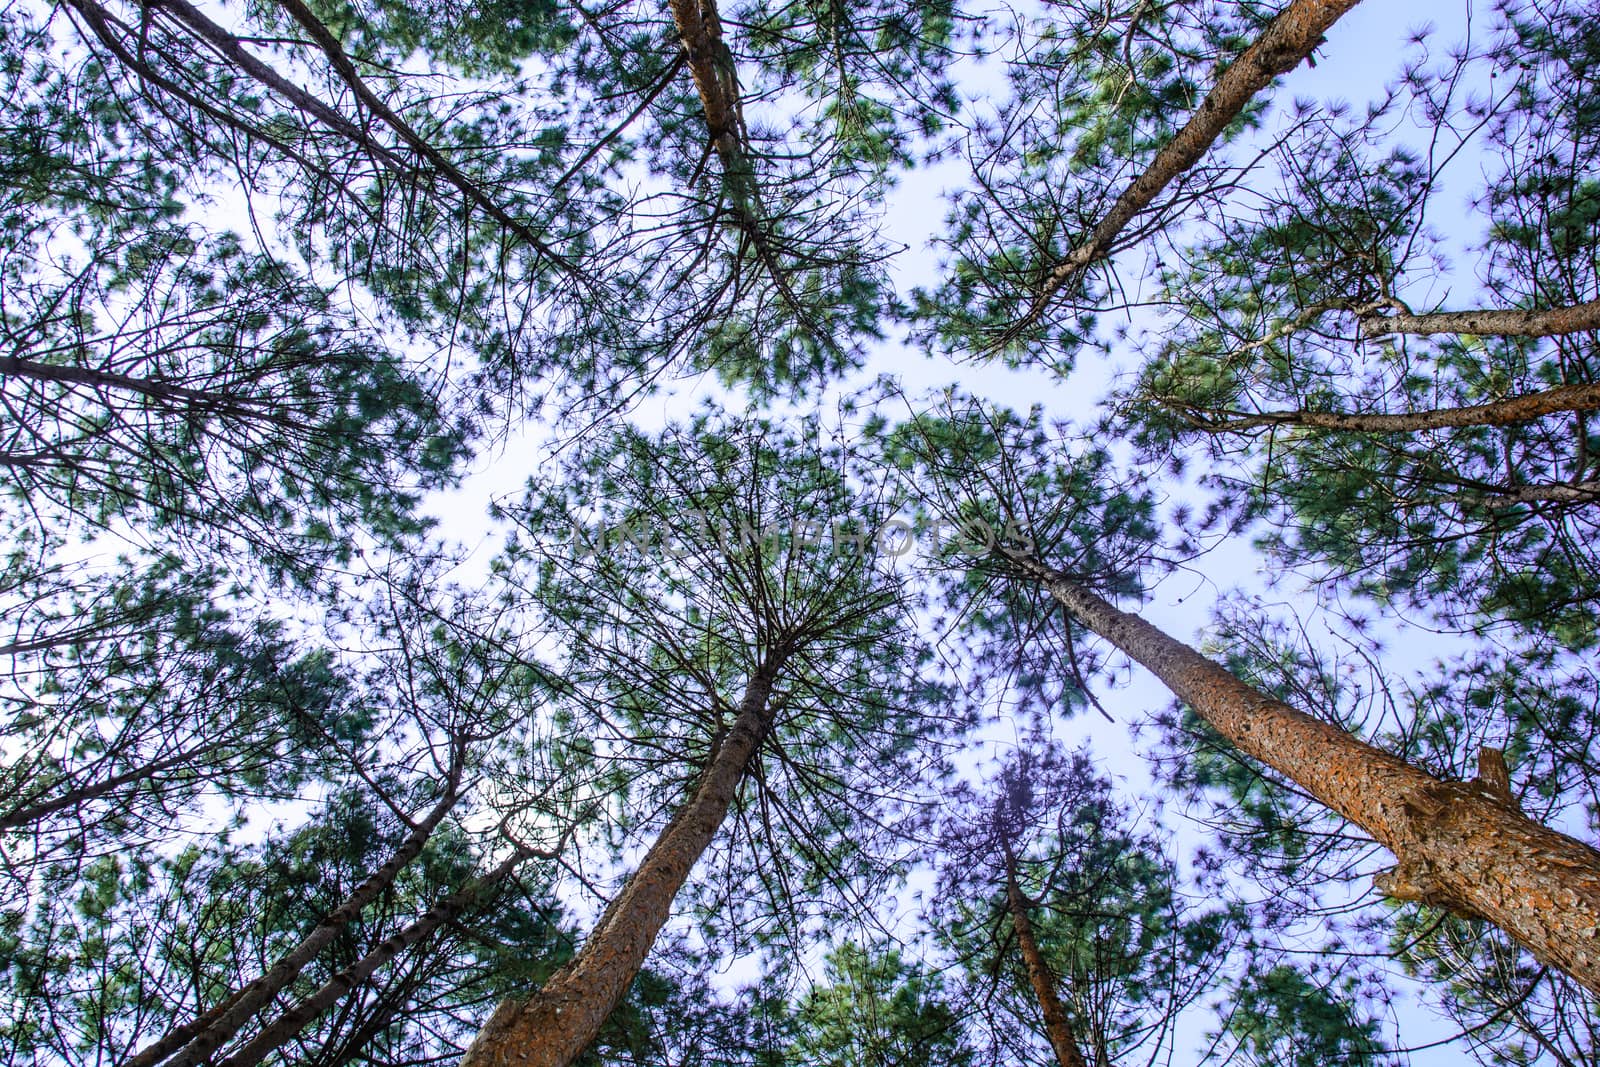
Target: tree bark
{"type": "Point", "coordinates": [1516, 409]}
{"type": "Point", "coordinates": [714, 71]}
{"type": "Point", "coordinates": [1282, 46]}
{"type": "Point", "coordinates": [555, 1025]}
{"type": "Point", "coordinates": [1545, 322]}
{"type": "Point", "coordinates": [1464, 846]}
{"type": "Point", "coordinates": [287, 1026]}
{"type": "Point", "coordinates": [710, 64]}
{"type": "Point", "coordinates": [1057, 1027]}
{"type": "Point", "coordinates": [198, 1039]}
{"type": "Point", "coordinates": [1551, 492]}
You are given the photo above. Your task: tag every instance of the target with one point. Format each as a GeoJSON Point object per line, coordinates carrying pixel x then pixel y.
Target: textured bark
{"type": "Point", "coordinates": [557, 1023]}
{"type": "Point", "coordinates": [1552, 492]}
{"type": "Point", "coordinates": [712, 66]}
{"type": "Point", "coordinates": [287, 1026]}
{"type": "Point", "coordinates": [1057, 1027]}
{"type": "Point", "coordinates": [1286, 41]}
{"type": "Point", "coordinates": [1547, 322]}
{"type": "Point", "coordinates": [194, 1042]}
{"type": "Point", "coordinates": [1512, 410]}
{"type": "Point", "coordinates": [1464, 846]}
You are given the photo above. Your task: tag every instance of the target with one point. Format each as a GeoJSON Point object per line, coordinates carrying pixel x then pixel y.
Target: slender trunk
{"type": "Point", "coordinates": [1524, 408]}
{"type": "Point", "coordinates": [346, 69]}
{"type": "Point", "coordinates": [195, 1041]}
{"type": "Point", "coordinates": [1056, 1025]}
{"type": "Point", "coordinates": [1282, 46]}
{"type": "Point", "coordinates": [1545, 322]}
{"type": "Point", "coordinates": [1465, 846]}
{"type": "Point", "coordinates": [287, 1026]}
{"type": "Point", "coordinates": [713, 69]}
{"type": "Point", "coordinates": [554, 1026]}
{"type": "Point", "coordinates": [700, 31]}
{"type": "Point", "coordinates": [233, 50]}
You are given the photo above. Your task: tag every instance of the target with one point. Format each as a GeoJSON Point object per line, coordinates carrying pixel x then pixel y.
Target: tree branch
{"type": "Point", "coordinates": [287, 1026]}
{"type": "Point", "coordinates": [232, 49]}
{"type": "Point", "coordinates": [198, 1040]}
{"type": "Point", "coordinates": [1545, 322]}
{"type": "Point", "coordinates": [1288, 40]}
{"type": "Point", "coordinates": [1523, 408]}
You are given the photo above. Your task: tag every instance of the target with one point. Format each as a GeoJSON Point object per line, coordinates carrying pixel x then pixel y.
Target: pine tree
{"type": "Point", "coordinates": [1442, 461]}
{"type": "Point", "coordinates": [1063, 913]}
{"type": "Point", "coordinates": [272, 274]}
{"type": "Point", "coordinates": [736, 651]}
{"type": "Point", "coordinates": [1466, 846]}
{"type": "Point", "coordinates": [875, 1009]}
{"type": "Point", "coordinates": [190, 942]}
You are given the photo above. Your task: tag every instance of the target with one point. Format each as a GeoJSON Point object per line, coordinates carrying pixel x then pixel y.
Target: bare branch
{"type": "Point", "coordinates": [1524, 408]}
{"type": "Point", "coordinates": [1546, 322]}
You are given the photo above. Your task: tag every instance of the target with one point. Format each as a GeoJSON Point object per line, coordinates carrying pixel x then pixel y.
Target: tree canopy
{"type": "Point", "coordinates": [776, 533]}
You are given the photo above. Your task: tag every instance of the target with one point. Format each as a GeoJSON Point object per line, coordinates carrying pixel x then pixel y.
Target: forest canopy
{"type": "Point", "coordinates": [777, 533]}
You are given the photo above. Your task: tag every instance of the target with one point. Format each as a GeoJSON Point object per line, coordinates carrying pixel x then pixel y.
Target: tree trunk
{"type": "Point", "coordinates": [1282, 46]}
{"type": "Point", "coordinates": [198, 1039]}
{"type": "Point", "coordinates": [557, 1023]}
{"type": "Point", "coordinates": [1512, 410]}
{"type": "Point", "coordinates": [715, 75]}
{"type": "Point", "coordinates": [1465, 846]}
{"type": "Point", "coordinates": [287, 1026]}
{"type": "Point", "coordinates": [1056, 1025]}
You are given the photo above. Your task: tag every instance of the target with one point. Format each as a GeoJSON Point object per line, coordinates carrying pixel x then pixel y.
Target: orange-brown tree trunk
{"type": "Point", "coordinates": [1465, 846]}
{"type": "Point", "coordinates": [1056, 1025]}
{"type": "Point", "coordinates": [554, 1026]}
